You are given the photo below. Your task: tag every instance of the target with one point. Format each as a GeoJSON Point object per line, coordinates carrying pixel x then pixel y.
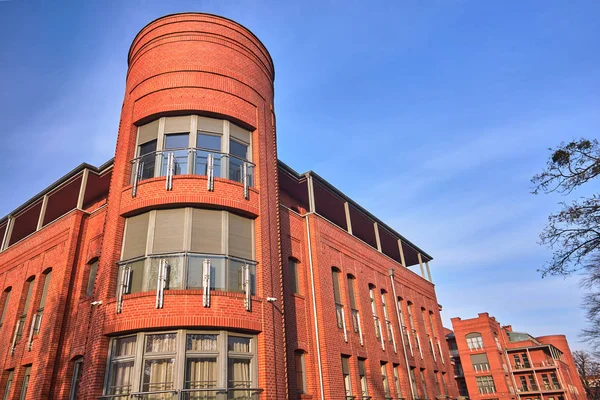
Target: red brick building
{"type": "Point", "coordinates": [495, 362]}
{"type": "Point", "coordinates": [195, 265]}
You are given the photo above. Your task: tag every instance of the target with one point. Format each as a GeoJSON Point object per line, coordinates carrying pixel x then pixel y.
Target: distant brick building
{"type": "Point", "coordinates": [494, 362]}
{"type": "Point", "coordinates": [195, 265]}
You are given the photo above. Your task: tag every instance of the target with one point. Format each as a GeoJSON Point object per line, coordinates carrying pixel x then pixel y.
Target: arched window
{"type": "Point", "coordinates": [337, 297]}
{"type": "Point", "coordinates": [27, 290]}
{"type": "Point", "coordinates": [77, 370]}
{"type": "Point", "coordinates": [4, 303]}
{"type": "Point", "coordinates": [93, 270]}
{"type": "Point", "coordinates": [353, 306]}
{"type": "Point", "coordinates": [474, 341]}
{"type": "Point", "coordinates": [40, 310]}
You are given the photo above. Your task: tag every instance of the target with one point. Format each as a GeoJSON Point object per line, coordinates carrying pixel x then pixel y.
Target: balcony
{"type": "Point", "coordinates": [528, 389]}
{"type": "Point", "coordinates": [191, 161]}
{"type": "Point", "coordinates": [186, 270]}
{"type": "Point", "coordinates": [546, 364]}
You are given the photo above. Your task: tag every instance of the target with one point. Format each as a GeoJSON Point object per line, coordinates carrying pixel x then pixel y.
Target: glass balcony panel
{"type": "Point", "coordinates": [201, 167]}
{"type": "Point", "coordinates": [235, 276]}
{"type": "Point", "coordinates": [217, 272]}
{"type": "Point", "coordinates": [180, 159]}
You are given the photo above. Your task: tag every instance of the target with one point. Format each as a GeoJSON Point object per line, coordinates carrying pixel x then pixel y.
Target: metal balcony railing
{"type": "Point", "coordinates": [191, 394]}
{"type": "Point", "coordinates": [193, 161]}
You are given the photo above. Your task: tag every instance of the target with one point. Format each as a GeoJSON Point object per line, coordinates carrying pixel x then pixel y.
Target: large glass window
{"type": "Point", "coordinates": [485, 384]}
{"type": "Point", "coordinates": [184, 238]}
{"type": "Point", "coordinates": [480, 362]}
{"type": "Point", "coordinates": [474, 341]}
{"type": "Point", "coordinates": [195, 364]}
{"type": "Point", "coordinates": [191, 141]}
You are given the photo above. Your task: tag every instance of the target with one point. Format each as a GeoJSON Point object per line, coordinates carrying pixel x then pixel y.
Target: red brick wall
{"type": "Point", "coordinates": [332, 246]}
{"type": "Point", "coordinates": [195, 64]}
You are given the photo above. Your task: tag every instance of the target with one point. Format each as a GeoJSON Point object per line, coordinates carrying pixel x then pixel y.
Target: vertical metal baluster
{"type": "Point", "coordinates": [170, 170]}
{"type": "Point", "coordinates": [245, 179]}
{"type": "Point", "coordinates": [122, 288]}
{"type": "Point", "coordinates": [139, 168]}
{"type": "Point", "coordinates": [206, 282]}
{"type": "Point", "coordinates": [210, 172]}
{"type": "Point", "coordinates": [247, 287]}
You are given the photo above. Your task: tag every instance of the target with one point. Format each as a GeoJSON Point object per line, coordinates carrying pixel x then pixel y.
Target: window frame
{"type": "Point", "coordinates": [195, 125]}
{"type": "Point", "coordinates": [181, 355]}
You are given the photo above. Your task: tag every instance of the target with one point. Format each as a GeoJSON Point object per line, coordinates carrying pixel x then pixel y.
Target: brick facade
{"type": "Point", "coordinates": [200, 64]}
{"type": "Point", "coordinates": [521, 366]}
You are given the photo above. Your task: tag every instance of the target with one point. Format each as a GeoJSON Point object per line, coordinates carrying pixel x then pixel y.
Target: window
{"type": "Point", "coordinates": [28, 289]}
{"type": "Point", "coordinates": [474, 341]}
{"type": "Point", "coordinates": [9, 381]}
{"type": "Point", "coordinates": [407, 343]}
{"type": "Point", "coordinates": [346, 376]}
{"type": "Point", "coordinates": [89, 291]}
{"type": "Point", "coordinates": [413, 383]}
{"type": "Point", "coordinates": [40, 311]}
{"type": "Point", "coordinates": [376, 321]}
{"type": "Point", "coordinates": [25, 383]}
{"type": "Point", "coordinates": [397, 380]}
{"type": "Point", "coordinates": [525, 361]}
{"type": "Point", "coordinates": [424, 384]}
{"type": "Point", "coordinates": [413, 324]}
{"type": "Point", "coordinates": [555, 382]}
{"type": "Point", "coordinates": [339, 307]}
{"type": "Point", "coordinates": [353, 307]}
{"type": "Point", "coordinates": [362, 374]}
{"type": "Point", "coordinates": [444, 383]}
{"type": "Point", "coordinates": [388, 323]}
{"type": "Point", "coordinates": [192, 360]}
{"type": "Point", "coordinates": [226, 144]}
{"type": "Point", "coordinates": [384, 378]}
{"type": "Point", "coordinates": [293, 275]}
{"type": "Point", "coordinates": [77, 369]}
{"type": "Point", "coordinates": [480, 362]}
{"type": "Point", "coordinates": [437, 383]}
{"type": "Point", "coordinates": [4, 301]}
{"type": "Point", "coordinates": [485, 384]}
{"type": "Point", "coordinates": [184, 238]}
{"type": "Point", "coordinates": [300, 372]}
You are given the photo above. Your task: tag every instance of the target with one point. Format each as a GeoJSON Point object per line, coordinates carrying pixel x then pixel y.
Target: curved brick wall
{"type": "Point", "coordinates": [196, 64]}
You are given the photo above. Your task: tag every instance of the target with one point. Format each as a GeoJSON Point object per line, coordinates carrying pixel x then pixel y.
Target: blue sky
{"type": "Point", "coordinates": [432, 115]}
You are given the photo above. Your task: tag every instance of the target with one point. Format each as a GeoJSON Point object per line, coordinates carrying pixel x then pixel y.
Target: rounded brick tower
{"type": "Point", "coordinates": [191, 245]}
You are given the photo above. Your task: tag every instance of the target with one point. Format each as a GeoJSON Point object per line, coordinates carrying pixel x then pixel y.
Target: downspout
{"type": "Point", "coordinates": [412, 389]}
{"type": "Point", "coordinates": [314, 303]}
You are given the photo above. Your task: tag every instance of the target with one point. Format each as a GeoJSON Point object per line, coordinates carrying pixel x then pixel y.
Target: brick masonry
{"type": "Point", "coordinates": [208, 65]}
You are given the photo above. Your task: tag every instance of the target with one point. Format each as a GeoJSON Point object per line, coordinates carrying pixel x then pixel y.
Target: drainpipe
{"type": "Point", "coordinates": [314, 304]}
{"type": "Point", "coordinates": [412, 389]}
